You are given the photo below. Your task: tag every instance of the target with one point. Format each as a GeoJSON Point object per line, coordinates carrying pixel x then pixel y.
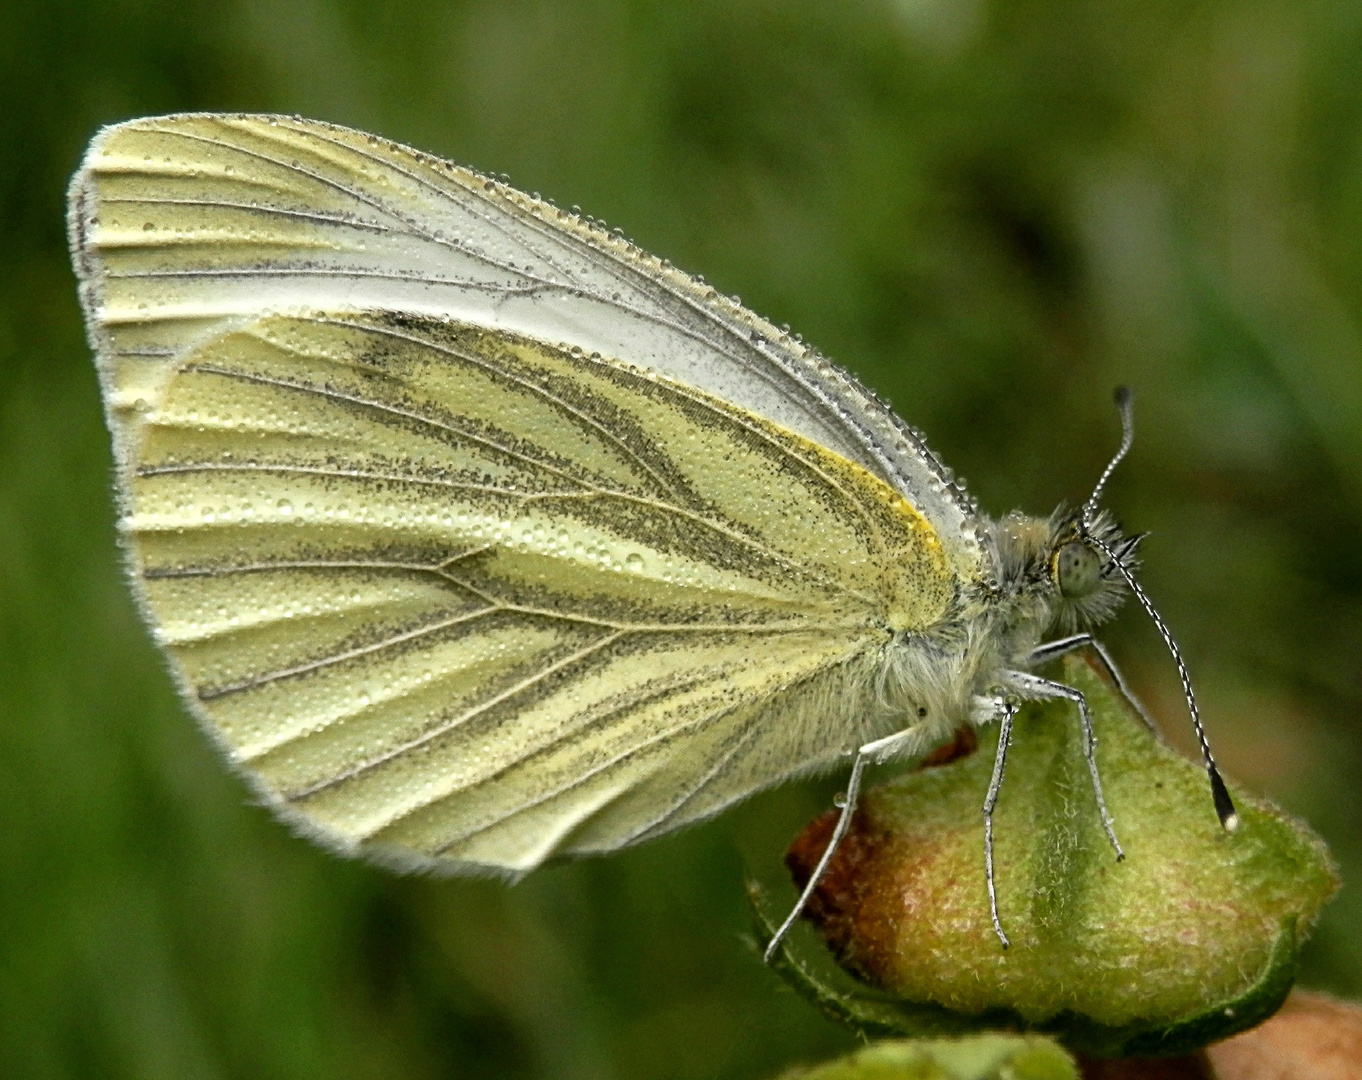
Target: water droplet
{"type": "Point", "coordinates": [285, 508]}
{"type": "Point", "coordinates": [634, 561]}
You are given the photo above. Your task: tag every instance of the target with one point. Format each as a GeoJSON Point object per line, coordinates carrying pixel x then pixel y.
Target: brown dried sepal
{"type": "Point", "coordinates": [858, 931]}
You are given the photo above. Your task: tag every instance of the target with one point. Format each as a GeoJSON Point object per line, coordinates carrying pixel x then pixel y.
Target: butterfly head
{"type": "Point", "coordinates": [1073, 570]}
{"type": "Point", "coordinates": [1088, 565]}
{"type": "Point", "coordinates": [1091, 564]}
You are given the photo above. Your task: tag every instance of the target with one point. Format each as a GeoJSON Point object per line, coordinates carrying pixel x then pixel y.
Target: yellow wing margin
{"type": "Point", "coordinates": [450, 596]}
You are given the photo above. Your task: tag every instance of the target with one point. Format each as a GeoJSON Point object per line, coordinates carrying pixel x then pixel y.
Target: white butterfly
{"type": "Point", "coordinates": [475, 535]}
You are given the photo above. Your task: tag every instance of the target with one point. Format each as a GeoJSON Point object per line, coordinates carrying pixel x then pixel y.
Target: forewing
{"type": "Point", "coordinates": [181, 223]}
{"type": "Point", "coordinates": [459, 595]}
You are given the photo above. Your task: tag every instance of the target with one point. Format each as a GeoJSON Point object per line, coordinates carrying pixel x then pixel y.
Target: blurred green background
{"type": "Point", "coordinates": [993, 212]}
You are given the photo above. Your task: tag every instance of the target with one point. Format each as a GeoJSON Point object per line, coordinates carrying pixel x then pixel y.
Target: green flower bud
{"type": "Point", "coordinates": [1190, 939]}
{"type": "Point", "coordinates": [979, 1057]}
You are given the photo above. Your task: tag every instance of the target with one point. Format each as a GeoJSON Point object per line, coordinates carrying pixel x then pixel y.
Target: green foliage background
{"type": "Point", "coordinates": [992, 211]}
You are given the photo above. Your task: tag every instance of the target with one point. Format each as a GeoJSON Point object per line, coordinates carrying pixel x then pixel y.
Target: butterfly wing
{"type": "Point", "coordinates": [180, 222]}
{"type": "Point", "coordinates": [444, 590]}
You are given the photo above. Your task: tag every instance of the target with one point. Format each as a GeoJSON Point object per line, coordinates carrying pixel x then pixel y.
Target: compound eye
{"type": "Point", "coordinates": [1077, 570]}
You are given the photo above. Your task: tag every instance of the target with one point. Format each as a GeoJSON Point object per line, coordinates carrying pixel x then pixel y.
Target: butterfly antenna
{"type": "Point", "coordinates": [1123, 404]}
{"type": "Point", "coordinates": [1224, 805]}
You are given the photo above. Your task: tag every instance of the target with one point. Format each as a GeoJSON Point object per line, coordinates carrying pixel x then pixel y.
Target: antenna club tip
{"type": "Point", "coordinates": [1123, 396]}
{"type": "Point", "coordinates": [1224, 805]}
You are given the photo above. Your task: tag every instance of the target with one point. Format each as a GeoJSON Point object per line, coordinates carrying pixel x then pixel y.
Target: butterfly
{"type": "Point", "coordinates": [475, 535]}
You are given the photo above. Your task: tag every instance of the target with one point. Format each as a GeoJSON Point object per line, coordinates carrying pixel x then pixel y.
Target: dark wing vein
{"type": "Point", "coordinates": [581, 778]}
{"type": "Point", "coordinates": [469, 714]}
{"type": "Point", "coordinates": [543, 393]}
{"type": "Point", "coordinates": [464, 203]}
{"type": "Point", "coordinates": [339, 474]}
{"type": "Point", "coordinates": [254, 681]}
{"type": "Point", "coordinates": [254, 208]}
{"type": "Point", "coordinates": [391, 410]}
{"type": "Point", "coordinates": [410, 276]}
{"type": "Point", "coordinates": [299, 564]}
{"type": "Point", "coordinates": [412, 228]}
{"type": "Point", "coordinates": [659, 824]}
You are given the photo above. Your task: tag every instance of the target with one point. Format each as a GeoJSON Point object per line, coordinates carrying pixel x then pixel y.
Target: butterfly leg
{"type": "Point", "coordinates": [990, 801]}
{"type": "Point", "coordinates": [1053, 650]}
{"type": "Point", "coordinates": [1034, 688]}
{"type": "Point", "coordinates": [902, 743]}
